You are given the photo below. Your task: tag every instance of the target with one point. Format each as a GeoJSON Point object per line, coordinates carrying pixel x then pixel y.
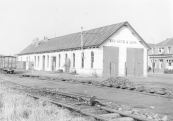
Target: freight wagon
{"type": "Point", "coordinates": [8, 63]}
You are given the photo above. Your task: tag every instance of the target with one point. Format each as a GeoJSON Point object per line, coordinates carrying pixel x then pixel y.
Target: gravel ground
{"type": "Point", "coordinates": [154, 80]}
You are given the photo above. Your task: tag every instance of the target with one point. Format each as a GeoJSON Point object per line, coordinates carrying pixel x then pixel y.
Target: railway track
{"type": "Point", "coordinates": [88, 106]}
{"type": "Point", "coordinates": [89, 83]}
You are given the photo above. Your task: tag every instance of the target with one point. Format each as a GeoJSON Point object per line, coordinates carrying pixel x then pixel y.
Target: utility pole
{"type": "Point", "coordinates": [82, 41]}
{"type": "Point", "coordinates": [153, 55]}
{"type": "Point", "coordinates": [81, 38]}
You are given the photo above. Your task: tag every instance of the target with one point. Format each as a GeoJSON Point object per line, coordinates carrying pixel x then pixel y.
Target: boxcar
{"type": "Point", "coordinates": [8, 63]}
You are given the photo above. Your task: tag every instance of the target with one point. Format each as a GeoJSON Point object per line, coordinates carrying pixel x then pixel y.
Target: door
{"type": "Point", "coordinates": [113, 69]}
{"type": "Point", "coordinates": [139, 62]}
{"type": "Point", "coordinates": [53, 63]}
{"type": "Point", "coordinates": [134, 61]}
{"type": "Point", "coordinates": [110, 61]}
{"type": "Point", "coordinates": [130, 61]}
{"type": "Point", "coordinates": [24, 65]}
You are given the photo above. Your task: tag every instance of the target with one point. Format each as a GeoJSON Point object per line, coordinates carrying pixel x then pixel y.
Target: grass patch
{"type": "Point", "coordinates": [19, 107]}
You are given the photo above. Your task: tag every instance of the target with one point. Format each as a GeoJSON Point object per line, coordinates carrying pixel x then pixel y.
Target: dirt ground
{"type": "Point", "coordinates": [155, 80]}
{"type": "Point", "coordinates": [161, 105]}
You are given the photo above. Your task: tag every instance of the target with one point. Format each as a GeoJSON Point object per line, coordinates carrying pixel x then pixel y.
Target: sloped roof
{"type": "Point", "coordinates": [168, 41]}
{"type": "Point", "coordinates": [151, 45]}
{"type": "Point", "coordinates": [93, 37]}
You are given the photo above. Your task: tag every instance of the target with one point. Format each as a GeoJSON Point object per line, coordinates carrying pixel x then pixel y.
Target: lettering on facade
{"type": "Point", "coordinates": [123, 41]}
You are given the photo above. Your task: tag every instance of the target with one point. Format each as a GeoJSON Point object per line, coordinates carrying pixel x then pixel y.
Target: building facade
{"type": "Point", "coordinates": [114, 50]}
{"type": "Point", "coordinates": [161, 55]}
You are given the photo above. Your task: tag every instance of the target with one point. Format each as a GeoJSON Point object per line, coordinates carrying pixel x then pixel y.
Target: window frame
{"type": "Point", "coordinates": [35, 60]}
{"type": "Point", "coordinates": [169, 49]}
{"type": "Point", "coordinates": [59, 60]}
{"type": "Point", "coordinates": [160, 50]}
{"type": "Point", "coordinates": [38, 61]}
{"type": "Point", "coordinates": [47, 60]}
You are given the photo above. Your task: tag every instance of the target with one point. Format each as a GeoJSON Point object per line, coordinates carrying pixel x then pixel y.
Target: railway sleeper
{"type": "Point", "coordinates": [111, 116]}
{"type": "Point", "coordinates": [116, 117]}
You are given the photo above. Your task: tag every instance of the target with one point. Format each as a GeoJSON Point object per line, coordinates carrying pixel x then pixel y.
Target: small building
{"type": "Point", "coordinates": [113, 50]}
{"type": "Point", "coordinates": [161, 55]}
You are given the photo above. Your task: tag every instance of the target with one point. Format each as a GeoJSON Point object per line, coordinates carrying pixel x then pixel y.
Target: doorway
{"type": "Point", "coordinates": [110, 61]}
{"type": "Point", "coordinates": [53, 63]}
{"type": "Point", "coordinates": [134, 61]}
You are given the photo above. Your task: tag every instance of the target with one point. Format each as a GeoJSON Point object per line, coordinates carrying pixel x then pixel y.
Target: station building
{"type": "Point", "coordinates": [161, 55]}
{"type": "Point", "coordinates": [113, 50]}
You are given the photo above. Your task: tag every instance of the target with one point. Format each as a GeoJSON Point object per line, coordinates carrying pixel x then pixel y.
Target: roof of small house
{"type": "Point", "coordinates": [151, 45]}
{"type": "Point", "coordinates": [167, 42]}
{"type": "Point", "coordinates": [91, 38]}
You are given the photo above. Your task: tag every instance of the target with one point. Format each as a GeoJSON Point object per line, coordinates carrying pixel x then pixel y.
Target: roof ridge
{"type": "Point", "coordinates": [165, 41]}
{"type": "Point", "coordinates": [87, 30]}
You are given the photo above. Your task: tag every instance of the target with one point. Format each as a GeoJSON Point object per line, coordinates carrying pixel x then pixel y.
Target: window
{"type": "Point", "coordinates": [54, 60]}
{"type": "Point", "coordinates": [66, 56]}
{"type": "Point", "coordinates": [47, 61]}
{"type": "Point", "coordinates": [35, 61]}
{"type": "Point", "coordinates": [170, 64]}
{"type": "Point", "coordinates": [153, 50]}
{"type": "Point", "coordinates": [161, 50]}
{"type": "Point", "coordinates": [82, 58]}
{"type": "Point", "coordinates": [92, 59]}
{"type": "Point", "coordinates": [38, 62]}
{"type": "Point", "coordinates": [169, 49]}
{"type": "Point", "coordinates": [73, 60]}
{"type": "Point", "coordinates": [59, 60]}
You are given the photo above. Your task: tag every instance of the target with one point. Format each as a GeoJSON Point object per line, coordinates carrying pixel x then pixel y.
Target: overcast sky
{"type": "Point", "coordinates": [23, 20]}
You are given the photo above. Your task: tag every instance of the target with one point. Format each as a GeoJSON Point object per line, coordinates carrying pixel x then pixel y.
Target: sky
{"type": "Point", "coordinates": [21, 21]}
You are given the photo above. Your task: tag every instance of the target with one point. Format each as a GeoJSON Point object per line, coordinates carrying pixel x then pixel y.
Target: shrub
{"type": "Point", "coordinates": [60, 71]}
{"type": "Point", "coordinates": [149, 69]}
{"type": "Point", "coordinates": [168, 71]}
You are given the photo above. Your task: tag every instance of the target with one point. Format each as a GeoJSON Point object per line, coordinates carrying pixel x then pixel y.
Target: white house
{"type": "Point", "coordinates": [114, 50]}
{"type": "Point", "coordinates": [161, 55]}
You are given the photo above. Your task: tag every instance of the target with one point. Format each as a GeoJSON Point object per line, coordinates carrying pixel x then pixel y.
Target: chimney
{"type": "Point", "coordinates": [45, 39]}
{"type": "Point", "coordinates": [81, 38]}
{"type": "Point", "coordinates": [36, 42]}
{"type": "Point", "coordinates": [33, 41]}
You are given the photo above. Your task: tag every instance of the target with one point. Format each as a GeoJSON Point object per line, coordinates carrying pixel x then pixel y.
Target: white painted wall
{"type": "Point", "coordinates": [123, 35]}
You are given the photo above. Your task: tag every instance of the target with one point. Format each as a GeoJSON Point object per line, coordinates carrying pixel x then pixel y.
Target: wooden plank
{"type": "Point", "coordinates": [111, 116]}
{"type": "Point", "coordinates": [110, 63]}
{"type": "Point", "coordinates": [130, 61]}
{"type": "Point", "coordinates": [126, 114]}
{"type": "Point", "coordinates": [139, 61]}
